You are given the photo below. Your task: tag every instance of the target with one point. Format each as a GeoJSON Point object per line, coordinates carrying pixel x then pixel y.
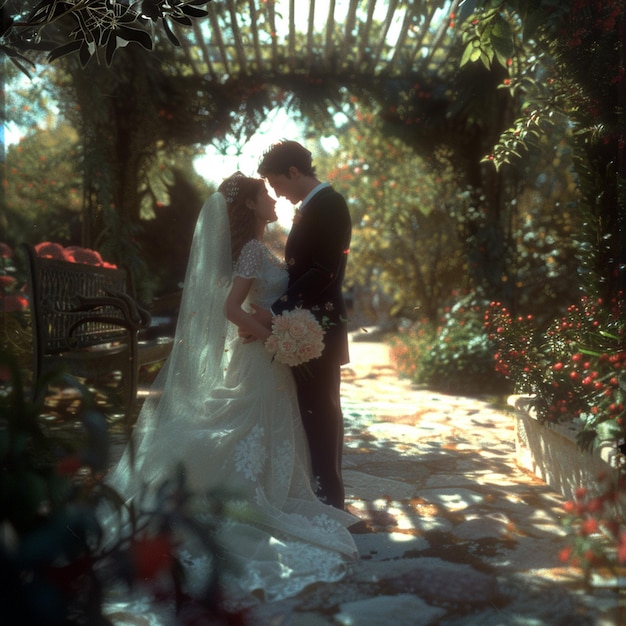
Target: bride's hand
{"type": "Point", "coordinates": [246, 335]}
{"type": "Point", "coordinates": [256, 324]}
{"type": "Point", "coordinates": [263, 316]}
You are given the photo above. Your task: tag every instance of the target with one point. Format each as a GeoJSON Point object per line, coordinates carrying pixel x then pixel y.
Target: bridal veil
{"type": "Point", "coordinates": [198, 359]}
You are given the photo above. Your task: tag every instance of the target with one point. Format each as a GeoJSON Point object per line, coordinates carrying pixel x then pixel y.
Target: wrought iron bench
{"type": "Point", "coordinates": [86, 322]}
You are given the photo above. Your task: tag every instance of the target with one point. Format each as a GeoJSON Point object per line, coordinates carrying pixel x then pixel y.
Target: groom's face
{"type": "Point", "coordinates": [286, 186]}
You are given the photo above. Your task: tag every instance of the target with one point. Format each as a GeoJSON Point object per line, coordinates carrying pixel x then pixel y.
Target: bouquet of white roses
{"type": "Point", "coordinates": [297, 337]}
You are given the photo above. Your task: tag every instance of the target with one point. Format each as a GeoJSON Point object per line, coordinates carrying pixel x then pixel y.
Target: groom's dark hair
{"type": "Point", "coordinates": [279, 157]}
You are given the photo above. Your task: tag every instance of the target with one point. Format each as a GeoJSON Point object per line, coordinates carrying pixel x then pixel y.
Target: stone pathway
{"type": "Point", "coordinates": [456, 533]}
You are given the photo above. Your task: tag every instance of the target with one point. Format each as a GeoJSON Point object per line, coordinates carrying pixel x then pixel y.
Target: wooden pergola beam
{"type": "Point", "coordinates": [370, 37]}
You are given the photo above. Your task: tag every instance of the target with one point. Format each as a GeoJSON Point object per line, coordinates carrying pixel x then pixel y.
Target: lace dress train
{"type": "Point", "coordinates": [245, 436]}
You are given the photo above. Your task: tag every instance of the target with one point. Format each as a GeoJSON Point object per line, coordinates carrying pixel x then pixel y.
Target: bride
{"type": "Point", "coordinates": [229, 413]}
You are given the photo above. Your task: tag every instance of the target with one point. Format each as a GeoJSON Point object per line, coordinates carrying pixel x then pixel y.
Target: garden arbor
{"type": "Point", "coordinates": [246, 56]}
{"type": "Point", "coordinates": [232, 67]}
{"type": "Point", "coordinates": [364, 38]}
{"type": "Point", "coordinates": [478, 76]}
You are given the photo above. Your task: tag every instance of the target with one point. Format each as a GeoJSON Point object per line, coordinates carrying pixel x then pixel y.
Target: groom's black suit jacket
{"type": "Point", "coordinates": [316, 253]}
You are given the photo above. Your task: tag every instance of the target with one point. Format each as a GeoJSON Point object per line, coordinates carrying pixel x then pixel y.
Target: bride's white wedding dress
{"type": "Point", "coordinates": [232, 419]}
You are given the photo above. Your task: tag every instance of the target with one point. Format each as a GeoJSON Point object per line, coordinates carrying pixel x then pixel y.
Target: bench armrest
{"type": "Point", "coordinates": [134, 316]}
{"type": "Point", "coordinates": [112, 321]}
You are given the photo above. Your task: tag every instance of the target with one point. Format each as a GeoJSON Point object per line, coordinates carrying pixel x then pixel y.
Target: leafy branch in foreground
{"type": "Point", "coordinates": [70, 544]}
{"type": "Point", "coordinates": [88, 27]}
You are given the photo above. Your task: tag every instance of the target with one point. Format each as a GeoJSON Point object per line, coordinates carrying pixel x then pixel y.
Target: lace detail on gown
{"type": "Point", "coordinates": [256, 261]}
{"type": "Point", "coordinates": [250, 261]}
{"type": "Point", "coordinates": [249, 438]}
{"type": "Point", "coordinates": [250, 454]}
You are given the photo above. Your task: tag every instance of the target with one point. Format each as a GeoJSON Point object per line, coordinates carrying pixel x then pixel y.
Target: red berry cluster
{"type": "Point", "coordinates": [574, 368]}
{"type": "Point", "coordinates": [596, 522]}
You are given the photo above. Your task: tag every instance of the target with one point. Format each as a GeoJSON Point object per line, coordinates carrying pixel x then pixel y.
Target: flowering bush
{"type": "Point", "coordinates": [596, 524]}
{"type": "Point", "coordinates": [14, 314]}
{"type": "Point", "coordinates": [73, 254]}
{"type": "Point", "coordinates": [456, 356]}
{"type": "Point", "coordinates": [576, 371]}
{"type": "Point", "coordinates": [12, 289]}
{"type": "Point", "coordinates": [15, 334]}
{"type": "Point", "coordinates": [297, 337]}
{"type": "Point", "coordinates": [575, 368]}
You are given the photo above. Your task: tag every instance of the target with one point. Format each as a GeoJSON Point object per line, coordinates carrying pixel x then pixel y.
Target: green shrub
{"type": "Point", "coordinates": [454, 357]}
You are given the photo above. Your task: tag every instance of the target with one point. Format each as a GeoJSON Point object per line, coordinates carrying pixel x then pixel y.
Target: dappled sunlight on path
{"type": "Point", "coordinates": [454, 532]}
{"type": "Point", "coordinates": [434, 478]}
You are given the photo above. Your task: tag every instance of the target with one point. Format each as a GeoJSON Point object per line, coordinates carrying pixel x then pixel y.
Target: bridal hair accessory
{"type": "Point", "coordinates": [231, 188]}
{"type": "Point", "coordinates": [297, 337]}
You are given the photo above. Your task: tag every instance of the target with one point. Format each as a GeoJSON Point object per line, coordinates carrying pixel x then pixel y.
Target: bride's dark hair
{"type": "Point", "coordinates": [238, 189]}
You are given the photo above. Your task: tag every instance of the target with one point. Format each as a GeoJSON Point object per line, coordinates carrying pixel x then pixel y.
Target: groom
{"type": "Point", "coordinates": [316, 253]}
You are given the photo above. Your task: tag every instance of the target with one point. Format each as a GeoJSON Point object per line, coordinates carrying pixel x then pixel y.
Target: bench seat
{"type": "Point", "coordinates": [87, 323]}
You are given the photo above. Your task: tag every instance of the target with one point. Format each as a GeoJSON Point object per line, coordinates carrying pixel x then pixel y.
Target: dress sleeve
{"type": "Point", "coordinates": [250, 261]}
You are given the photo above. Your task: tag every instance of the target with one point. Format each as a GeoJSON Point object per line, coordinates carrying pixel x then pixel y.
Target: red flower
{"type": "Point", "coordinates": [151, 556]}
{"type": "Point", "coordinates": [621, 549]}
{"type": "Point", "coordinates": [12, 303]}
{"type": "Point", "coordinates": [83, 255]}
{"type": "Point", "coordinates": [569, 506]}
{"type": "Point", "coordinates": [594, 505]}
{"type": "Point", "coordinates": [590, 526]}
{"type": "Point", "coordinates": [565, 554]}
{"type": "Point", "coordinates": [50, 250]}
{"type": "Point", "coordinates": [591, 557]}
{"type": "Point", "coordinates": [69, 465]}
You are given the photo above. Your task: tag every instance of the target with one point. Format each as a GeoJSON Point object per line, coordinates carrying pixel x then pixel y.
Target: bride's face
{"type": "Point", "coordinates": [265, 207]}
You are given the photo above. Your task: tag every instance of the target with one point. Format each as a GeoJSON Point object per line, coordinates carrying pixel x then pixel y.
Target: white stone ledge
{"type": "Point", "coordinates": [550, 451]}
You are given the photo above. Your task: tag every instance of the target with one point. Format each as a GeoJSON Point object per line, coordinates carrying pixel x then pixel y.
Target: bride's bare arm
{"type": "Point", "coordinates": [248, 324]}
